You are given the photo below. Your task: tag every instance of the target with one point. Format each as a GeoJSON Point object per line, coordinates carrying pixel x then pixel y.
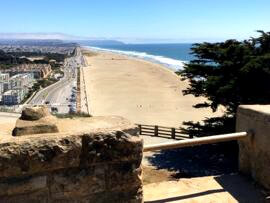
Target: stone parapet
{"type": "Point", "coordinates": [254, 152]}
{"type": "Point", "coordinates": [99, 162]}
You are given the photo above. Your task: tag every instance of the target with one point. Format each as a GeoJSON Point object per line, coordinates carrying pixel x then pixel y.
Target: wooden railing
{"type": "Point", "coordinates": [161, 131]}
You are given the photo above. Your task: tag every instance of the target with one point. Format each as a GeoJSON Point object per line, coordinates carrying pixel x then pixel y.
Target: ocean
{"type": "Point", "coordinates": [172, 56]}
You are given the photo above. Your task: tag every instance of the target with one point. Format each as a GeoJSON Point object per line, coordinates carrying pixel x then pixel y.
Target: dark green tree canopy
{"type": "Point", "coordinates": [229, 73]}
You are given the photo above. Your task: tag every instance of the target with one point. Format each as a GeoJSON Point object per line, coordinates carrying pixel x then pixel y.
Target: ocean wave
{"type": "Point", "coordinates": [168, 62]}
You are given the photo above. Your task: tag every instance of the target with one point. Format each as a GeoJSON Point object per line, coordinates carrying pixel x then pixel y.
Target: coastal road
{"type": "Point", "coordinates": [59, 95]}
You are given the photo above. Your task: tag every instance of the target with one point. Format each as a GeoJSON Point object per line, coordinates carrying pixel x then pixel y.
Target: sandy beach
{"type": "Point", "coordinates": [139, 90]}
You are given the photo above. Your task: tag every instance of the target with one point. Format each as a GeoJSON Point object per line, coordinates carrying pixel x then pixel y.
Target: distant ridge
{"type": "Point", "coordinates": [36, 36]}
{"type": "Point", "coordinates": [99, 42]}
{"type": "Point", "coordinates": [56, 37]}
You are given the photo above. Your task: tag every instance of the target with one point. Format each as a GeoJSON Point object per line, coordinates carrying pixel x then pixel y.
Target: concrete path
{"type": "Point", "coordinates": [7, 123]}
{"type": "Point", "coordinates": [226, 188]}
{"type": "Point", "coordinates": [84, 102]}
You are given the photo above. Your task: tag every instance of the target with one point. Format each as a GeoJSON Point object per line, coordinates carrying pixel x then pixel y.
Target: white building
{"type": "Point", "coordinates": [21, 80]}
{"type": "Point", "coordinates": [1, 88]}
{"type": "Point", "coordinates": [4, 77]}
{"type": "Point", "coordinates": [12, 97]}
{"type": "Point", "coordinates": [4, 80]}
{"type": "Point", "coordinates": [14, 89]}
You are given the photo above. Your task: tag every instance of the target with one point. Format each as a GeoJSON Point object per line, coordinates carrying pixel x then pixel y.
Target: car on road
{"type": "Point", "coordinates": [72, 100]}
{"type": "Point", "coordinates": [54, 110]}
{"type": "Point", "coordinates": [72, 109]}
{"type": "Point", "coordinates": [74, 91]}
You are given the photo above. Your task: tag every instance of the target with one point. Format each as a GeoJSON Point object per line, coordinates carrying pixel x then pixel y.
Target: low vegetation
{"type": "Point", "coordinates": [11, 59]}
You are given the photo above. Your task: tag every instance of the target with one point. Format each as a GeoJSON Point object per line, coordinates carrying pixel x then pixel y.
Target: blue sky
{"type": "Point", "coordinates": [138, 20]}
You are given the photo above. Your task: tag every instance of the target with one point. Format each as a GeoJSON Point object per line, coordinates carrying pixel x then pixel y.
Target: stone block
{"type": "Point", "coordinates": [95, 159]}
{"type": "Point", "coordinates": [119, 175]}
{"type": "Point", "coordinates": [40, 196]}
{"type": "Point", "coordinates": [39, 127]}
{"type": "Point", "coordinates": [75, 183]}
{"type": "Point", "coordinates": [16, 186]}
{"type": "Point", "coordinates": [34, 113]}
{"type": "Point", "coordinates": [35, 120]}
{"type": "Point", "coordinates": [30, 155]}
{"type": "Point", "coordinates": [108, 147]}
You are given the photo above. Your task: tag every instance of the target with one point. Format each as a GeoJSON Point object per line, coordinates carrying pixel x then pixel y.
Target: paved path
{"type": "Point", "coordinates": [231, 188]}
{"type": "Point", "coordinates": [84, 101]}
{"type": "Point", "coordinates": [7, 123]}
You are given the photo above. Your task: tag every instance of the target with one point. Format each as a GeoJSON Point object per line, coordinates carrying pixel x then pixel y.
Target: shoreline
{"type": "Point", "coordinates": [159, 65]}
{"type": "Point", "coordinates": [142, 91]}
{"type": "Point", "coordinates": [149, 57]}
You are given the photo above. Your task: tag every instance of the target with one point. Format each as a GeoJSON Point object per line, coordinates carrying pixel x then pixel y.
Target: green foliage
{"type": "Point", "coordinates": [10, 59]}
{"type": "Point", "coordinates": [228, 74]}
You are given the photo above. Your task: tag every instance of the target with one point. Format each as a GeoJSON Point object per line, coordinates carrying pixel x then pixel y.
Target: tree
{"type": "Point", "coordinates": [228, 74]}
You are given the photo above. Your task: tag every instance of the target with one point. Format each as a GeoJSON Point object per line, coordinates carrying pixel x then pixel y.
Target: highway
{"type": "Point", "coordinates": [62, 94]}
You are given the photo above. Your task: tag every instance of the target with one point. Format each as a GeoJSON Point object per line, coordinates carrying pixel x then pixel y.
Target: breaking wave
{"type": "Point", "coordinates": [168, 62]}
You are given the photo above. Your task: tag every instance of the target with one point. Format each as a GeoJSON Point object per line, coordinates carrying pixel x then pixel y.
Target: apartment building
{"type": "Point", "coordinates": [38, 70]}
{"type": "Point", "coordinates": [12, 97]}
{"type": "Point", "coordinates": [14, 90]}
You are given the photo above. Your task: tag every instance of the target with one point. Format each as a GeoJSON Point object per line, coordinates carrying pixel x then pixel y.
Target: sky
{"type": "Point", "coordinates": [138, 21]}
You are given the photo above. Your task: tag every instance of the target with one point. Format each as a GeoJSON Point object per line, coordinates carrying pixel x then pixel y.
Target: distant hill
{"type": "Point", "coordinates": [36, 36]}
{"type": "Point", "coordinates": [98, 42]}
{"type": "Point", "coordinates": [35, 42]}
{"type": "Point", "coordinates": [52, 39]}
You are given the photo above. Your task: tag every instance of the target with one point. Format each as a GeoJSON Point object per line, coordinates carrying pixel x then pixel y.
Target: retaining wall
{"type": "Point", "coordinates": [254, 152]}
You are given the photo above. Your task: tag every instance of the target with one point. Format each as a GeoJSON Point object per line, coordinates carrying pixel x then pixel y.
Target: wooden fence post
{"type": "Point", "coordinates": [156, 130]}
{"type": "Point", "coordinates": [140, 129]}
{"type": "Point", "coordinates": [173, 133]}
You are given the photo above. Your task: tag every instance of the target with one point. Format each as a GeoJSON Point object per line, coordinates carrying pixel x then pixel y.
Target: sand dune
{"type": "Point", "coordinates": [139, 90]}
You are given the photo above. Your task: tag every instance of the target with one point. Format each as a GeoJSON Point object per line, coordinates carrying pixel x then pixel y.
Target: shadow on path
{"type": "Point", "coordinates": [198, 161]}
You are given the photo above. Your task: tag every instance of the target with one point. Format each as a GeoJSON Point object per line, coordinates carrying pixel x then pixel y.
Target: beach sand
{"type": "Point", "coordinates": [140, 91]}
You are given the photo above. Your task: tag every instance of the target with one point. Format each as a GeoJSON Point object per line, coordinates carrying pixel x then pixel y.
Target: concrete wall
{"type": "Point", "coordinates": [254, 152]}
{"type": "Point", "coordinates": [94, 165]}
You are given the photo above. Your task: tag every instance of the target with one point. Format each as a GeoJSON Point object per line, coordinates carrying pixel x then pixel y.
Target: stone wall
{"type": "Point", "coordinates": [254, 152]}
{"type": "Point", "coordinates": [99, 161]}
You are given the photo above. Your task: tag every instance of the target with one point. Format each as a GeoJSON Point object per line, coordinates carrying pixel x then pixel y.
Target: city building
{"type": "Point", "coordinates": [4, 84]}
{"type": "Point", "coordinates": [14, 90]}
{"type": "Point", "coordinates": [21, 80]}
{"type": "Point", "coordinates": [38, 70]}
{"type": "Point", "coordinates": [4, 77]}
{"type": "Point", "coordinates": [12, 97]}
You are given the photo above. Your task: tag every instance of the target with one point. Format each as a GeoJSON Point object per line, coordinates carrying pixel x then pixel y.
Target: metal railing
{"type": "Point", "coordinates": [197, 141]}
